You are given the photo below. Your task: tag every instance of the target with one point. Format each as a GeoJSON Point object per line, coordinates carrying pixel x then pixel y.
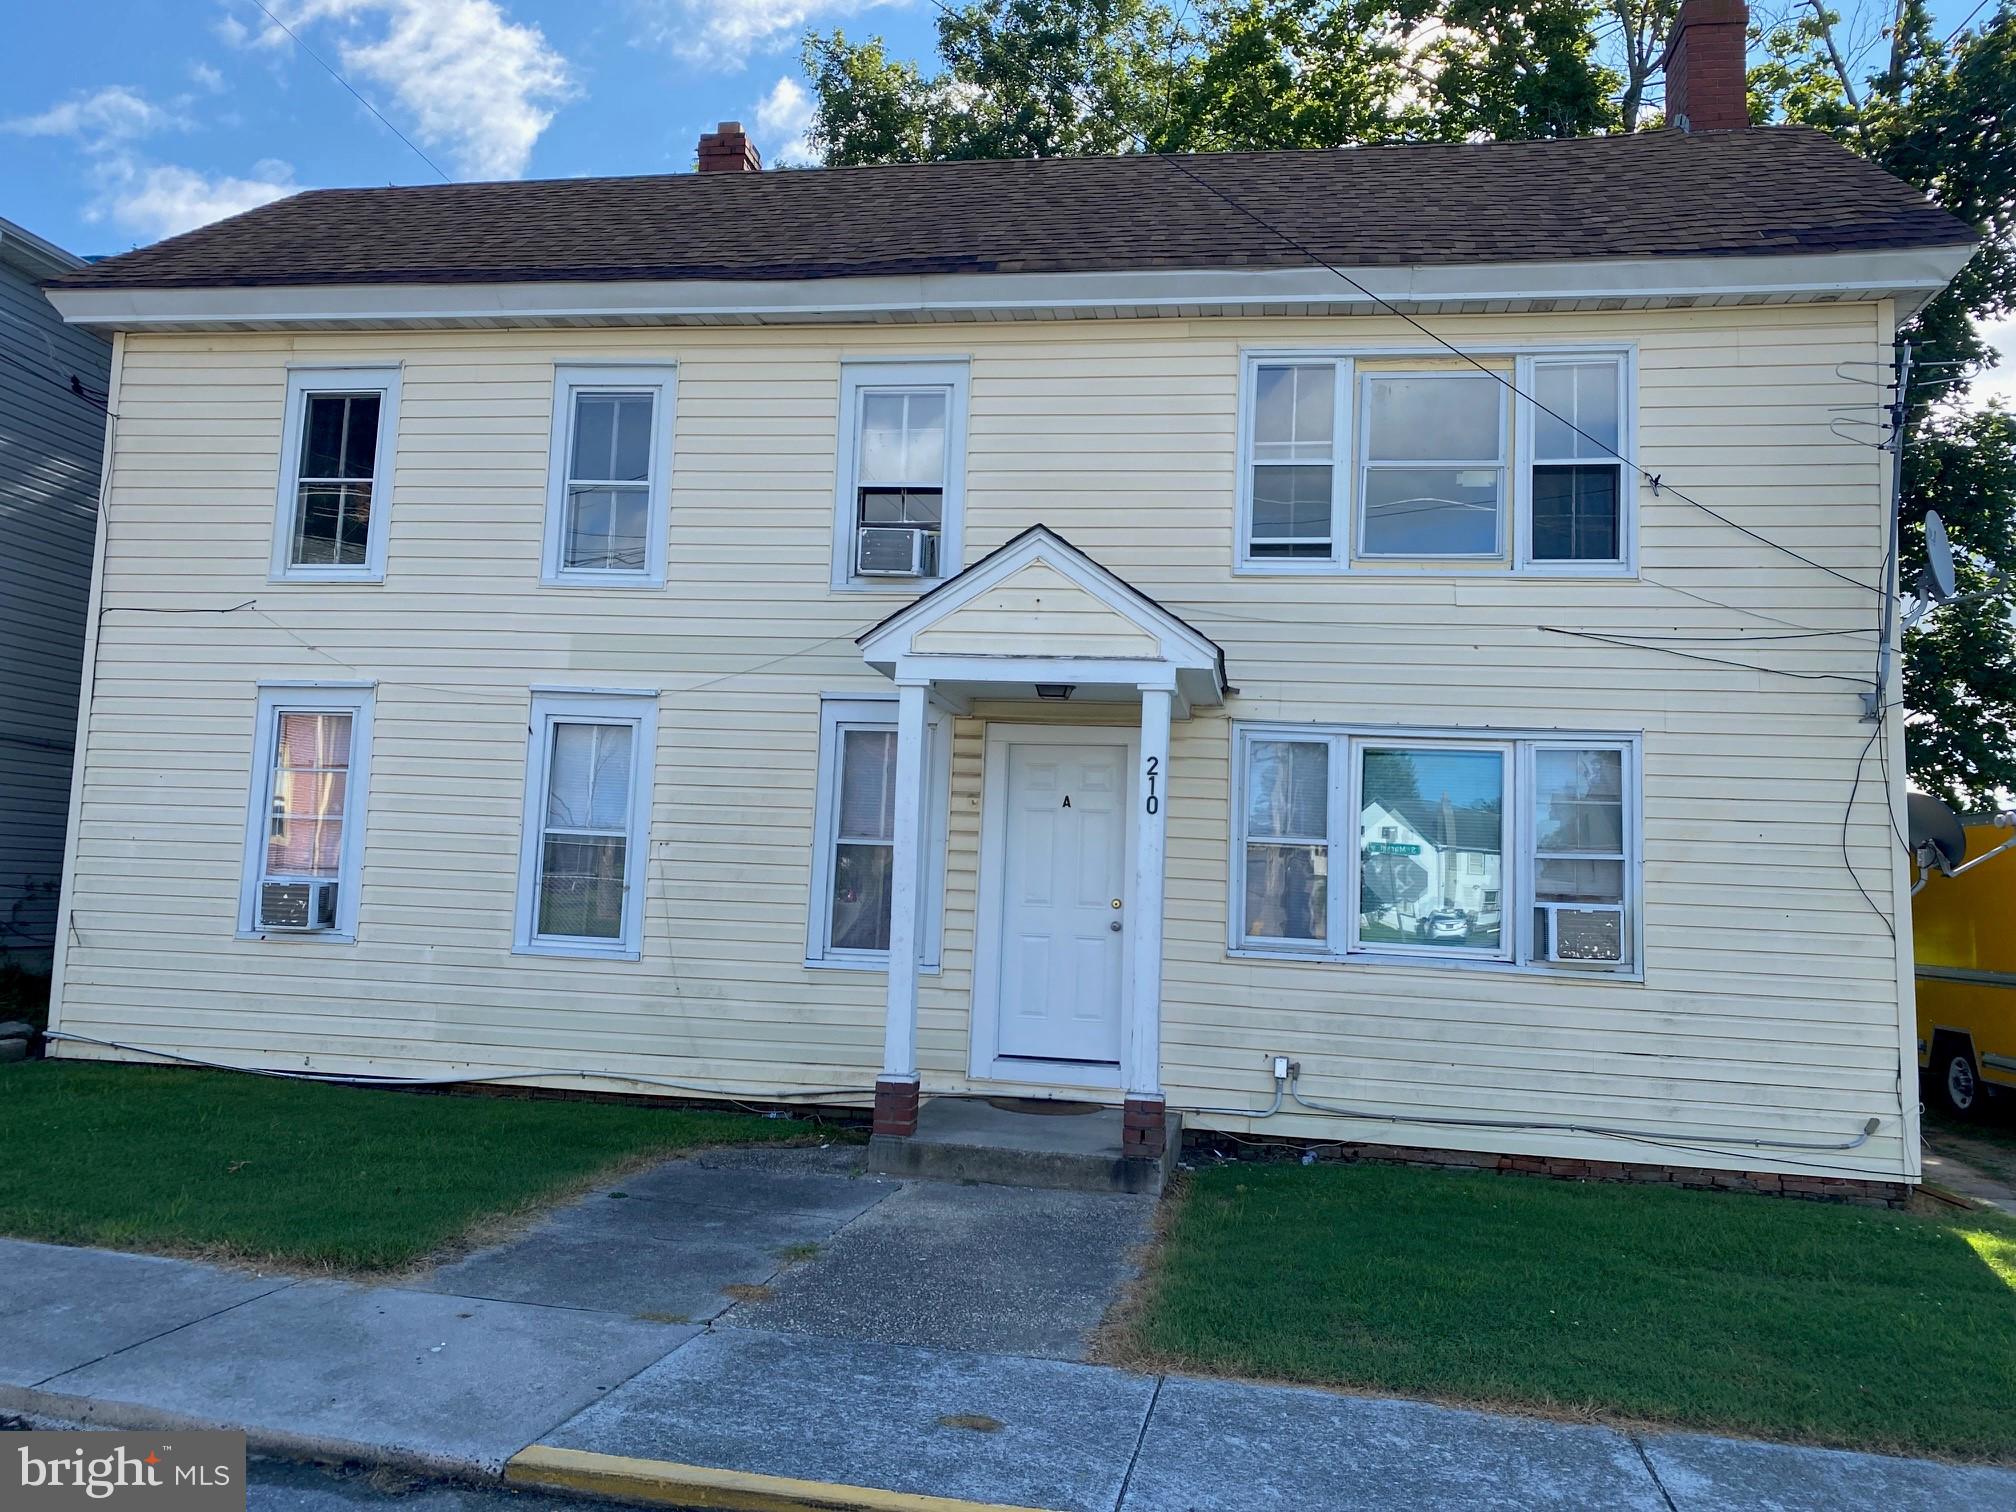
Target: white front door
{"type": "Point", "coordinates": [1061, 940]}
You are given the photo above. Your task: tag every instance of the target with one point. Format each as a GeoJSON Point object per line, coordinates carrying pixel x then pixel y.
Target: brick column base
{"type": "Point", "coordinates": [895, 1107]}
{"type": "Point", "coordinates": [1144, 1128]}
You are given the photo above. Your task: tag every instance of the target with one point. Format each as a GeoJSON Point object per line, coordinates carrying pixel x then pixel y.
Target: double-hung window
{"type": "Point", "coordinates": [609, 480]}
{"type": "Point", "coordinates": [1292, 474]}
{"type": "Point", "coordinates": [1363, 845]}
{"type": "Point", "coordinates": [582, 869]}
{"type": "Point", "coordinates": [854, 846]}
{"type": "Point", "coordinates": [901, 473]}
{"type": "Point", "coordinates": [336, 474]}
{"type": "Point", "coordinates": [1433, 460]}
{"type": "Point", "coordinates": [304, 834]}
{"type": "Point", "coordinates": [1576, 439]}
{"type": "Point", "coordinates": [1514, 463]}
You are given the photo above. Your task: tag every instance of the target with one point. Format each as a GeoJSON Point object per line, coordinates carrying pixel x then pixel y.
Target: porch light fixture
{"type": "Point", "coordinates": [1058, 691]}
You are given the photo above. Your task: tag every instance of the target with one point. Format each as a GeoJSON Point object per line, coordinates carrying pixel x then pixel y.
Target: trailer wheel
{"type": "Point", "coordinates": [1956, 1081]}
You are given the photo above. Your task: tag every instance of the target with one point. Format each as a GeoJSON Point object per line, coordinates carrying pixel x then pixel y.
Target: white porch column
{"type": "Point", "coordinates": [896, 1088]}
{"type": "Point", "coordinates": [1141, 1052]}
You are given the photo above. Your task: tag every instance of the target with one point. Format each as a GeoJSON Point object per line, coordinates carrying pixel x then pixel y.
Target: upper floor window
{"type": "Point", "coordinates": [1404, 464]}
{"type": "Point", "coordinates": [304, 836]}
{"type": "Point", "coordinates": [336, 474]}
{"type": "Point", "coordinates": [608, 501]}
{"type": "Point", "coordinates": [901, 473]}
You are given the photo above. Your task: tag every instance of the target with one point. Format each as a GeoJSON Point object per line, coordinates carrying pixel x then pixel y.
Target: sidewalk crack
{"type": "Point", "coordinates": [189, 1323]}
{"type": "Point", "coordinates": [1658, 1484]}
{"type": "Point", "coordinates": [1140, 1438]}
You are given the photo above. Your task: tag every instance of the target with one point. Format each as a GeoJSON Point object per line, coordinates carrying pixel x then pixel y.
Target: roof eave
{"type": "Point", "coordinates": [1909, 274]}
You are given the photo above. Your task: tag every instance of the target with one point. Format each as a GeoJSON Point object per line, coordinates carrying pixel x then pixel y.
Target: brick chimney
{"type": "Point", "coordinates": [727, 149]}
{"type": "Point", "coordinates": [1704, 66]}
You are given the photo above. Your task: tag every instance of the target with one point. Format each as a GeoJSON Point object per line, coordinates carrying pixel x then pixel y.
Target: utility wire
{"type": "Point", "coordinates": [1719, 661]}
{"type": "Point", "coordinates": [1390, 308]}
{"type": "Point", "coordinates": [1980, 6]}
{"type": "Point", "coordinates": [326, 68]}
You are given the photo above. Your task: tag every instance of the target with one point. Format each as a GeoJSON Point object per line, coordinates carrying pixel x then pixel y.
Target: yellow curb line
{"type": "Point", "coordinates": [675, 1485]}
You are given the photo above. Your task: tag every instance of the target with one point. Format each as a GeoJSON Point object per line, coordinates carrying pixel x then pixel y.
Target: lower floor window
{"type": "Point", "coordinates": [853, 870]}
{"type": "Point", "coordinates": [1489, 849]}
{"type": "Point", "coordinates": [587, 820]}
{"type": "Point", "coordinates": [303, 846]}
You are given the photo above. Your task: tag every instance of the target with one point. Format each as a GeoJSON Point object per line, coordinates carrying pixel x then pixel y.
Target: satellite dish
{"type": "Point", "coordinates": [1934, 824]}
{"type": "Point", "coordinates": [1938, 557]}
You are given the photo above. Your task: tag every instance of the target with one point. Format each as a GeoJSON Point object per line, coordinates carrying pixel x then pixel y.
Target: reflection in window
{"type": "Point", "coordinates": [1294, 460]}
{"type": "Point", "coordinates": [608, 515]}
{"type": "Point", "coordinates": [311, 774]}
{"type": "Point", "coordinates": [1577, 477]}
{"type": "Point", "coordinates": [1579, 860]}
{"type": "Point", "coordinates": [1434, 481]}
{"type": "Point", "coordinates": [1431, 836]}
{"type": "Point", "coordinates": [865, 846]}
{"type": "Point", "coordinates": [1287, 840]}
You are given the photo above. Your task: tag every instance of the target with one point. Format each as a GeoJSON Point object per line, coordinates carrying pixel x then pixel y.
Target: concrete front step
{"type": "Point", "coordinates": [970, 1139]}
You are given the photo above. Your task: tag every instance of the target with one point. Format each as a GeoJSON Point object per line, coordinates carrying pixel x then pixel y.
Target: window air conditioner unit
{"type": "Point", "coordinates": [895, 551]}
{"type": "Point", "coordinates": [297, 905]}
{"type": "Point", "coordinates": [1583, 933]}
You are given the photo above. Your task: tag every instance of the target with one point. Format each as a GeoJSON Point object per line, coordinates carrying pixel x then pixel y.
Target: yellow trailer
{"type": "Point", "coordinates": [1965, 929]}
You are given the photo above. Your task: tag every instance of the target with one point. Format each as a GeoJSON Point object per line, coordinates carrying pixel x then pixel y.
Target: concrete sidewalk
{"type": "Point", "coordinates": [760, 1404]}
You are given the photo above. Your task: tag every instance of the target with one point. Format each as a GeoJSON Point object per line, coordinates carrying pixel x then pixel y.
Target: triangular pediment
{"type": "Point", "coordinates": [1039, 599]}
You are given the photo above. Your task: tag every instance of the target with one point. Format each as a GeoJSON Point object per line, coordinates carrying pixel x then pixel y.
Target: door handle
{"type": "Point", "coordinates": [1114, 926]}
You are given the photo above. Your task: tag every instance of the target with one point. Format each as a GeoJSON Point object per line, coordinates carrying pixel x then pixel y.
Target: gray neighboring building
{"type": "Point", "coordinates": [51, 443]}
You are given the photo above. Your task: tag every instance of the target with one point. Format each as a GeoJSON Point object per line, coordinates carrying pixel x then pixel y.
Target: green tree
{"type": "Point", "coordinates": [1513, 71]}
{"type": "Point", "coordinates": [1937, 115]}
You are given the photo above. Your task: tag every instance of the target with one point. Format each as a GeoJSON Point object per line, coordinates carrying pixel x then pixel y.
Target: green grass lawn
{"type": "Point", "coordinates": [303, 1173]}
{"type": "Point", "coordinates": [1785, 1319]}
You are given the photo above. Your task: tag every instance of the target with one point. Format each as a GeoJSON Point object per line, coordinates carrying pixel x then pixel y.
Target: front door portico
{"type": "Point", "coordinates": [1068, 956]}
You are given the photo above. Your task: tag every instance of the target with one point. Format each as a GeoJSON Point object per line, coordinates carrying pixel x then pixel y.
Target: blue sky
{"type": "Point", "coordinates": [136, 119]}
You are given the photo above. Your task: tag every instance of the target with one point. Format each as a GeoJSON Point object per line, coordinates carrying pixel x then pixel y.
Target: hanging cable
{"type": "Point", "coordinates": [1294, 244]}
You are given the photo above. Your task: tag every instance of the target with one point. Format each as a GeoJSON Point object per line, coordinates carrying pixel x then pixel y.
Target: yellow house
{"type": "Point", "coordinates": [933, 632]}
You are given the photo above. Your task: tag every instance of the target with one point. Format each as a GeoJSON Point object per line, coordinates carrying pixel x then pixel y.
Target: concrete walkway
{"type": "Point", "coordinates": [959, 1377]}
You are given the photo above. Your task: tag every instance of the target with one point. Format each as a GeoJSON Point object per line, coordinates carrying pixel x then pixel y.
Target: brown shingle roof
{"type": "Point", "coordinates": [1656, 194]}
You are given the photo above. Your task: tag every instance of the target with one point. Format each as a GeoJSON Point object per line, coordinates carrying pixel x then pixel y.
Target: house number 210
{"type": "Point", "coordinates": [1154, 804]}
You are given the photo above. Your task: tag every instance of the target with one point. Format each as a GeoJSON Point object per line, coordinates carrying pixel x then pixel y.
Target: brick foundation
{"type": "Point", "coordinates": [895, 1107]}
{"type": "Point", "coordinates": [1144, 1128]}
{"type": "Point", "coordinates": [1812, 1185]}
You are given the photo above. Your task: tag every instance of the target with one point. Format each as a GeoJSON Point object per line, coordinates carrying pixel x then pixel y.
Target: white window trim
{"type": "Point", "coordinates": [1342, 472]}
{"type": "Point", "coordinates": [660, 381]}
{"type": "Point", "coordinates": [950, 373]}
{"type": "Point", "coordinates": [837, 713]}
{"type": "Point", "coordinates": [640, 711]}
{"type": "Point", "coordinates": [1626, 564]}
{"type": "Point", "coordinates": [301, 382]}
{"type": "Point", "coordinates": [1515, 880]}
{"type": "Point", "coordinates": [1515, 518]}
{"type": "Point", "coordinates": [358, 700]}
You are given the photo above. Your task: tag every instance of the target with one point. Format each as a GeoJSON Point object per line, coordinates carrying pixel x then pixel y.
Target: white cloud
{"type": "Point", "coordinates": [163, 199]}
{"type": "Point", "coordinates": [782, 118]}
{"type": "Point", "coordinates": [725, 33]}
{"type": "Point", "coordinates": [1998, 382]}
{"type": "Point", "coordinates": [100, 120]}
{"type": "Point", "coordinates": [207, 76]}
{"type": "Point", "coordinates": [463, 77]}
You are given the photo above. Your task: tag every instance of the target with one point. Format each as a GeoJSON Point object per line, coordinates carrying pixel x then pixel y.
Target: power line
{"type": "Point", "coordinates": [1980, 5]}
{"type": "Point", "coordinates": [347, 85]}
{"type": "Point", "coordinates": [1392, 309]}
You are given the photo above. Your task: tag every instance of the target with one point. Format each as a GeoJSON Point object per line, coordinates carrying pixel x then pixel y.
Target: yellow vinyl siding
{"type": "Point", "coordinates": [1036, 612]}
{"type": "Point", "coordinates": [1770, 1001]}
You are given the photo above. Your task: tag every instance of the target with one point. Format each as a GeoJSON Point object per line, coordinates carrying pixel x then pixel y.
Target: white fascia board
{"type": "Point", "coordinates": [1910, 275]}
